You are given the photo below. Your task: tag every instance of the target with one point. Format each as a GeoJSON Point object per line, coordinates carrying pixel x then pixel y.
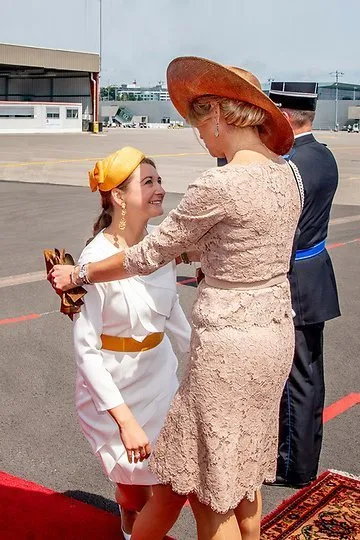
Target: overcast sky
{"type": "Point", "coordinates": [282, 39]}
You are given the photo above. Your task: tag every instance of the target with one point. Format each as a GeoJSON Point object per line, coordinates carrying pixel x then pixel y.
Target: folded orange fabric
{"type": "Point", "coordinates": [71, 301]}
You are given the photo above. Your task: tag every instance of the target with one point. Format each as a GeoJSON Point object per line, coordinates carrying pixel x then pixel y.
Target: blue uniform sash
{"type": "Point", "coordinates": [302, 254]}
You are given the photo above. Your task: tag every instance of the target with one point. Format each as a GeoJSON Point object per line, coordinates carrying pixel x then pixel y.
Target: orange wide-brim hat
{"type": "Point", "coordinates": [189, 77]}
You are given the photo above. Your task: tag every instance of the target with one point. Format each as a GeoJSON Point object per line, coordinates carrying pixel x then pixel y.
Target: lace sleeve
{"type": "Point", "coordinates": [201, 208]}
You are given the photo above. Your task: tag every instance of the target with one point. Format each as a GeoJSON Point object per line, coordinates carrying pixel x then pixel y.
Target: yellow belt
{"type": "Point", "coordinates": [128, 344]}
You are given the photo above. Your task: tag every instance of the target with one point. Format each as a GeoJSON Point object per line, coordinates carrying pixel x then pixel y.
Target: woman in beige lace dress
{"type": "Point", "coordinates": [219, 442]}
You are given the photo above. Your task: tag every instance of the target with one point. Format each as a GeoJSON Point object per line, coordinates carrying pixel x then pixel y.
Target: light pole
{"type": "Point", "coordinates": [97, 89]}
{"type": "Point", "coordinates": [337, 75]}
{"type": "Point", "coordinates": [100, 36]}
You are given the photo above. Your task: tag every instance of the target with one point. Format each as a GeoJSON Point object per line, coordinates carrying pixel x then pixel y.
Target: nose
{"type": "Point", "coordinates": [160, 190]}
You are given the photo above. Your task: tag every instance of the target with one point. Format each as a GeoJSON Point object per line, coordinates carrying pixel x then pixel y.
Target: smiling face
{"type": "Point", "coordinates": [143, 195]}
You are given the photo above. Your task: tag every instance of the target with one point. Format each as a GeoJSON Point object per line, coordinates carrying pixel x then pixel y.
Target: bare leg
{"type": "Point", "coordinates": [131, 499]}
{"type": "Point", "coordinates": [212, 525]}
{"type": "Point", "coordinates": [248, 515]}
{"type": "Point", "coordinates": [158, 515]}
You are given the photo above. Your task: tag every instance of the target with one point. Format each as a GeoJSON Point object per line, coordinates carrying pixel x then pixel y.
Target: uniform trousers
{"type": "Point", "coordinates": [301, 409]}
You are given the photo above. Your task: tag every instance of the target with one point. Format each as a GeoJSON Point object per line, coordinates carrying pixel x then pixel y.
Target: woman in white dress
{"type": "Point", "coordinates": [126, 367]}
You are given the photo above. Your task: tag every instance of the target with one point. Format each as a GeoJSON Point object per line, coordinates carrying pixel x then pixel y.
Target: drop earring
{"type": "Point", "coordinates": [217, 128]}
{"type": "Point", "coordinates": [122, 222]}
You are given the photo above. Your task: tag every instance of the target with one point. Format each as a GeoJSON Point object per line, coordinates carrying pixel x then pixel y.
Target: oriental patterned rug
{"type": "Point", "coordinates": [328, 509]}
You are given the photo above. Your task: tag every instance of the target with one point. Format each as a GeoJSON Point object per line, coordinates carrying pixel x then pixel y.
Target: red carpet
{"type": "Point", "coordinates": [29, 511]}
{"type": "Point", "coordinates": [32, 512]}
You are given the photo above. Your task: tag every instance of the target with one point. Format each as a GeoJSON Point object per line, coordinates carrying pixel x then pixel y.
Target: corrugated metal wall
{"type": "Point", "coordinates": [74, 89]}
{"type": "Point", "coordinates": [29, 89]}
{"type": "Point", "coordinates": [3, 83]}
{"type": "Point", "coordinates": [325, 113]}
{"type": "Point", "coordinates": [71, 89]}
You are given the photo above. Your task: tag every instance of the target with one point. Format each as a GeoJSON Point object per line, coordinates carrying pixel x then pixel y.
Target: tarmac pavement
{"type": "Point", "coordinates": [40, 437]}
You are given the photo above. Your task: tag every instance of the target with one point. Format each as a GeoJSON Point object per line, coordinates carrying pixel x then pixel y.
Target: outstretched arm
{"type": "Point", "coordinates": [201, 208]}
{"type": "Point", "coordinates": [108, 269]}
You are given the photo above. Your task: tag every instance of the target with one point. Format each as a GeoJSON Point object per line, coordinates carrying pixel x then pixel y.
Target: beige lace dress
{"type": "Point", "coordinates": [220, 437]}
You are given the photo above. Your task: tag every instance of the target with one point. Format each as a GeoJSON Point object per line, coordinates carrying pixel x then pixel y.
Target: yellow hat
{"type": "Point", "coordinates": [114, 169]}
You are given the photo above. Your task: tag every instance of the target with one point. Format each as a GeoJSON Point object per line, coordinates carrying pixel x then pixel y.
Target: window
{"type": "Point", "coordinates": [72, 113]}
{"type": "Point", "coordinates": [16, 112]}
{"type": "Point", "coordinates": [52, 112]}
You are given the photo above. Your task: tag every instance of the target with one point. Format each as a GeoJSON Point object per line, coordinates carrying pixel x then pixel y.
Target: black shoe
{"type": "Point", "coordinates": [280, 482]}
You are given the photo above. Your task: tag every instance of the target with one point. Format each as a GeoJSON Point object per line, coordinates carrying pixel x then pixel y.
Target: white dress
{"type": "Point", "coordinates": [145, 381]}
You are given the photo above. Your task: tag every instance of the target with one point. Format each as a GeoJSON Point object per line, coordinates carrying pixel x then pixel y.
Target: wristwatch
{"type": "Point", "coordinates": [83, 278]}
{"type": "Point", "coordinates": [82, 273]}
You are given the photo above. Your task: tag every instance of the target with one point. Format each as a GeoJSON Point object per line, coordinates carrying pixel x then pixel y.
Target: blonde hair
{"type": "Point", "coordinates": [236, 113]}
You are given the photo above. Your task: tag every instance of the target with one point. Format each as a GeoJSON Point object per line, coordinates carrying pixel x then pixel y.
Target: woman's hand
{"type": "Point", "coordinates": [135, 441]}
{"type": "Point", "coordinates": [133, 436]}
{"type": "Point", "coordinates": [60, 277]}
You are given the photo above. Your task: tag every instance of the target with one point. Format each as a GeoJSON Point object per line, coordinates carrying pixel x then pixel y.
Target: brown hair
{"type": "Point", "coordinates": [236, 113]}
{"type": "Point", "coordinates": [300, 118]}
{"type": "Point", "coordinates": [105, 218]}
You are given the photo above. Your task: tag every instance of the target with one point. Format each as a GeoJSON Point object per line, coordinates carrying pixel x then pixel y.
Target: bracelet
{"type": "Point", "coordinates": [82, 277]}
{"type": "Point", "coordinates": [86, 278]}
{"type": "Point", "coordinates": [72, 276]}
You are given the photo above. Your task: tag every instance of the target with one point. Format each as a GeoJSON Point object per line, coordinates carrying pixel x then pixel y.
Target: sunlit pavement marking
{"type": "Point", "coordinates": [340, 406]}
{"type": "Point", "coordinates": [14, 164]}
